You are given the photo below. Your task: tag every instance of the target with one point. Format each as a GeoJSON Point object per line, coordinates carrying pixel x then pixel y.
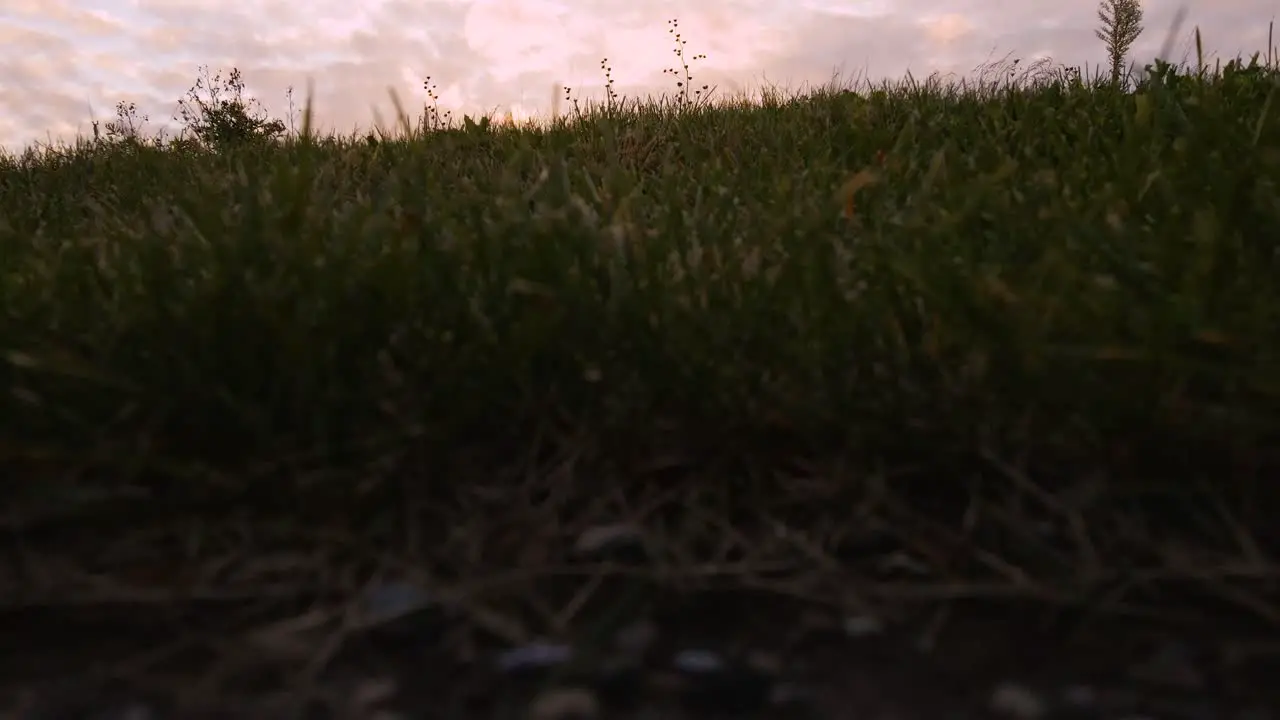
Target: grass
{"type": "Point", "coordinates": [949, 315]}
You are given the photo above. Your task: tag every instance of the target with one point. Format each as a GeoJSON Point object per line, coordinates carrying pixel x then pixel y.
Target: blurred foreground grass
{"type": "Point", "coordinates": [1056, 277]}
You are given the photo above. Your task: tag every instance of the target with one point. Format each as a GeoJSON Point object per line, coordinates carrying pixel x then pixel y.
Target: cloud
{"type": "Point", "coordinates": [67, 62]}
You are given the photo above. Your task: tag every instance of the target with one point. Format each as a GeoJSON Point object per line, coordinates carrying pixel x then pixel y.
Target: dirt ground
{"type": "Point", "coordinates": [731, 655]}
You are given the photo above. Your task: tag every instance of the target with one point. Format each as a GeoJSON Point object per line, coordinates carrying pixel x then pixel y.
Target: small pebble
{"type": "Point", "coordinates": [1017, 701]}
{"type": "Point", "coordinates": [903, 562]}
{"type": "Point", "coordinates": [565, 704]}
{"type": "Point", "coordinates": [1080, 696]}
{"type": "Point", "coordinates": [372, 691]}
{"type": "Point", "coordinates": [862, 626]}
{"type": "Point", "coordinates": [621, 542]}
{"type": "Point", "coordinates": [635, 639]}
{"type": "Point", "coordinates": [789, 695]}
{"type": "Point", "coordinates": [699, 662]}
{"type": "Point", "coordinates": [535, 656]}
{"type": "Point", "coordinates": [392, 600]}
{"type": "Point", "coordinates": [764, 663]}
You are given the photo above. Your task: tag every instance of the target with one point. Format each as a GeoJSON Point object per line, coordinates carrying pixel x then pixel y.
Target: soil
{"type": "Point", "coordinates": [732, 655]}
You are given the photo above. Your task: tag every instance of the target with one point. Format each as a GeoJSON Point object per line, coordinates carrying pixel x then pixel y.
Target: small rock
{"type": "Point", "coordinates": [534, 657]}
{"type": "Point", "coordinates": [857, 626]}
{"type": "Point", "coordinates": [370, 692]}
{"type": "Point", "coordinates": [620, 542]}
{"type": "Point", "coordinates": [1080, 697]}
{"type": "Point", "coordinates": [393, 600]}
{"type": "Point", "coordinates": [764, 663]}
{"type": "Point", "coordinates": [902, 563]}
{"type": "Point", "coordinates": [789, 695]}
{"type": "Point", "coordinates": [635, 639]}
{"type": "Point", "coordinates": [712, 684]}
{"type": "Point", "coordinates": [1017, 701]}
{"type": "Point", "coordinates": [565, 704]}
{"type": "Point", "coordinates": [698, 662]}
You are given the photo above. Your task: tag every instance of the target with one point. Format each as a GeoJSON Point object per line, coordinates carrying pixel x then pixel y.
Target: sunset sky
{"type": "Point", "coordinates": [66, 62]}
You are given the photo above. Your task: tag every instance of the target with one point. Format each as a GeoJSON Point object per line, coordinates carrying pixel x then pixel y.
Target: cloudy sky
{"type": "Point", "coordinates": [66, 62]}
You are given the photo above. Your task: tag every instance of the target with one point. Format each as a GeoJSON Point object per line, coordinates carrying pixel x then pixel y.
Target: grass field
{"type": "Point", "coordinates": [1025, 329]}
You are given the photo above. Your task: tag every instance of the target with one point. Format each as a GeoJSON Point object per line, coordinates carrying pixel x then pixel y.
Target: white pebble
{"type": "Point", "coordinates": [1017, 701]}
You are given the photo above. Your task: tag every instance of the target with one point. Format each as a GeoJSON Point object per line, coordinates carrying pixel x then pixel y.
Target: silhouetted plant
{"type": "Point", "coordinates": [225, 117]}
{"type": "Point", "coordinates": [432, 118]}
{"type": "Point", "coordinates": [1121, 25]}
{"type": "Point", "coordinates": [687, 96]}
{"type": "Point", "coordinates": [126, 129]}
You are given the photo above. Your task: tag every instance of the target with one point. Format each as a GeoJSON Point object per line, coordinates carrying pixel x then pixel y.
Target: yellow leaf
{"type": "Point", "coordinates": [851, 187]}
